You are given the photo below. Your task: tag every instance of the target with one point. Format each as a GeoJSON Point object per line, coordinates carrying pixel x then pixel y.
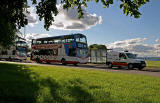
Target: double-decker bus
{"type": "Point", "coordinates": [65, 49]}
{"type": "Point", "coordinates": [18, 51]}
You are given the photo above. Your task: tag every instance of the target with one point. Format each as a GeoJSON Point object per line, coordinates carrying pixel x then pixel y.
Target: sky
{"type": "Point", "coordinates": [107, 26]}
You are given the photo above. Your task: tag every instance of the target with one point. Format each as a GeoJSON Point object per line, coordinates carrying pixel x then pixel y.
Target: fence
{"type": "Point", "coordinates": [97, 56]}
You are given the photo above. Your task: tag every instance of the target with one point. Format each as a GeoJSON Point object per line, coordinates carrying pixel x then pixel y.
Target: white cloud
{"type": "Point", "coordinates": [31, 16]}
{"type": "Point", "coordinates": [124, 43]}
{"type": "Point", "coordinates": [136, 46]}
{"type": "Point", "coordinates": [157, 46]}
{"type": "Point", "coordinates": [68, 20]}
{"type": "Point", "coordinates": [31, 36]}
{"type": "Point", "coordinates": [157, 40]}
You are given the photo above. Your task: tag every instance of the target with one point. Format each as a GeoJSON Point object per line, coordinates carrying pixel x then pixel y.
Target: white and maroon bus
{"type": "Point", "coordinates": [66, 49]}
{"type": "Point", "coordinates": [18, 51]}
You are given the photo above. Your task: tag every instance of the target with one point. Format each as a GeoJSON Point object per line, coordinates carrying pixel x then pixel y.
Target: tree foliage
{"type": "Point", "coordinates": [7, 33]}
{"type": "Point", "coordinates": [47, 8]}
{"type": "Point", "coordinates": [97, 46]}
{"type": "Point", "coordinates": [13, 18]}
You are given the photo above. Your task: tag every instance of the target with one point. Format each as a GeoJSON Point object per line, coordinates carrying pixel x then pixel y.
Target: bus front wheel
{"type": "Point", "coordinates": [63, 61]}
{"type": "Point", "coordinates": [75, 64]}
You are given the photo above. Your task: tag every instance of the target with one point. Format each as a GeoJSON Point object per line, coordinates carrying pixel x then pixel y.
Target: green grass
{"type": "Point", "coordinates": [153, 64]}
{"type": "Point", "coordinates": [46, 84]}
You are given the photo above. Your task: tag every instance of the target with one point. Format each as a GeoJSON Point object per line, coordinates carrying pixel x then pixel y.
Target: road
{"type": "Point", "coordinates": [103, 67]}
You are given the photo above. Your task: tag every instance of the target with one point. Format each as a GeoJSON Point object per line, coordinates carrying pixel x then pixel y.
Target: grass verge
{"type": "Point", "coordinates": [155, 64]}
{"type": "Point", "coordinates": [46, 84]}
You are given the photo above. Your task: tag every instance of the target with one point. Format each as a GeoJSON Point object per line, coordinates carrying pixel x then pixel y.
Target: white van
{"type": "Point", "coordinates": [124, 59]}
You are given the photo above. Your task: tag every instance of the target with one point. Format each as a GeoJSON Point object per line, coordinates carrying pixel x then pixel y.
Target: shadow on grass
{"type": "Point", "coordinates": [78, 91]}
{"type": "Point", "coordinates": [18, 84]}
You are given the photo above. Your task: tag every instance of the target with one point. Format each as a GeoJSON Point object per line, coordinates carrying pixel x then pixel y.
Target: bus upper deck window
{"type": "Point", "coordinates": [69, 40]}
{"type": "Point", "coordinates": [50, 42]}
{"type": "Point", "coordinates": [55, 41]}
{"type": "Point", "coordinates": [38, 42]}
{"type": "Point", "coordinates": [34, 42]}
{"type": "Point", "coordinates": [45, 42]}
{"type": "Point", "coordinates": [63, 40]}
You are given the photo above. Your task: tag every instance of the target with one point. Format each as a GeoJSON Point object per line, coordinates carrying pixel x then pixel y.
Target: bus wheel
{"type": "Point", "coordinates": [110, 65]}
{"type": "Point", "coordinates": [75, 64]}
{"type": "Point", "coordinates": [130, 66]}
{"type": "Point", "coordinates": [48, 62]}
{"type": "Point", "coordinates": [119, 67]}
{"type": "Point", "coordinates": [63, 61]}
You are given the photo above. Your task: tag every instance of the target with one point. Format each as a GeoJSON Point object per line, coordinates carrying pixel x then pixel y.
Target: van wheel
{"type": "Point", "coordinates": [130, 66]}
{"type": "Point", "coordinates": [63, 61]}
{"type": "Point", "coordinates": [110, 65]}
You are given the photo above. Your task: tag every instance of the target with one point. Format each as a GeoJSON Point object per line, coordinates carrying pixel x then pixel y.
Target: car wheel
{"type": "Point", "coordinates": [130, 66]}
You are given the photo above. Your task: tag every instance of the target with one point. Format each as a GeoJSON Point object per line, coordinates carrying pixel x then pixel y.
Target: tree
{"type": "Point", "coordinates": [13, 18]}
{"type": "Point", "coordinates": [97, 46]}
{"type": "Point", "coordinates": [7, 33]}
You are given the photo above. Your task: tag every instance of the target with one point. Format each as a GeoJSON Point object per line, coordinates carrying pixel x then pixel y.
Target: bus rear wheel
{"type": "Point", "coordinates": [37, 60]}
{"type": "Point", "coordinates": [63, 61]}
{"type": "Point", "coordinates": [110, 65]}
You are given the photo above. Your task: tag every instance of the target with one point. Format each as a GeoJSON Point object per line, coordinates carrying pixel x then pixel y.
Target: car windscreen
{"type": "Point", "coordinates": [130, 55]}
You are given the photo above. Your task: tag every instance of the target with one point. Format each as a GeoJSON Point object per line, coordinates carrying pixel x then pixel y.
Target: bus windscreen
{"type": "Point", "coordinates": [81, 38]}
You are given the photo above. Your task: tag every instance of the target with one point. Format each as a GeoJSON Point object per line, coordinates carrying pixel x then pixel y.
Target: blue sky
{"type": "Point", "coordinates": [115, 26]}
